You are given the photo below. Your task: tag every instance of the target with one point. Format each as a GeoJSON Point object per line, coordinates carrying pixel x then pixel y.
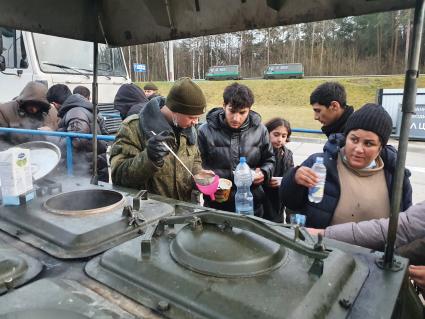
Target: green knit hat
{"type": "Point", "coordinates": [150, 86]}
{"type": "Point", "coordinates": [186, 97]}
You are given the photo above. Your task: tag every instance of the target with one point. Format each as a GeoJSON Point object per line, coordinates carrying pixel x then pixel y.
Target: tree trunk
{"type": "Point", "coordinates": [407, 47]}
{"type": "Point", "coordinates": [164, 54]}
{"type": "Point", "coordinates": [240, 51]}
{"type": "Point", "coordinates": [293, 44]}
{"type": "Point", "coordinates": [395, 49]}
{"type": "Point", "coordinates": [137, 61]}
{"type": "Point", "coordinates": [321, 48]}
{"type": "Point", "coordinates": [378, 47]}
{"type": "Point", "coordinates": [312, 49]}
{"type": "Point", "coordinates": [130, 66]}
{"type": "Point", "coordinates": [148, 70]}
{"type": "Point", "coordinates": [203, 57]}
{"type": "Point", "coordinates": [268, 46]}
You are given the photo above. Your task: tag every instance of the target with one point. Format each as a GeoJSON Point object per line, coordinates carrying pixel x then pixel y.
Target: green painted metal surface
{"type": "Point", "coordinates": [85, 225]}
{"type": "Point", "coordinates": [53, 299]}
{"type": "Point", "coordinates": [157, 279]}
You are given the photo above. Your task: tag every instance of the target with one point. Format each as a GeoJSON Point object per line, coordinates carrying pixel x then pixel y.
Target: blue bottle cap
{"type": "Point", "coordinates": [242, 159]}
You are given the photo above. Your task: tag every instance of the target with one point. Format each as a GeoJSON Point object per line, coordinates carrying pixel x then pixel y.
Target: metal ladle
{"type": "Point", "coordinates": [175, 155]}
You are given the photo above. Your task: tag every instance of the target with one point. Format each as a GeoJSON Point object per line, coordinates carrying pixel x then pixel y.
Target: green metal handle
{"type": "Point", "coordinates": [249, 223]}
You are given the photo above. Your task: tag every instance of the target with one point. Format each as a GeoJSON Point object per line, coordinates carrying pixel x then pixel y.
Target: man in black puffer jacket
{"type": "Point", "coordinates": [76, 115]}
{"type": "Point", "coordinates": [233, 131]}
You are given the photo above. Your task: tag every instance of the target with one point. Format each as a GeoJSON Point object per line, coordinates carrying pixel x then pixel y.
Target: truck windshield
{"type": "Point", "coordinates": [74, 56]}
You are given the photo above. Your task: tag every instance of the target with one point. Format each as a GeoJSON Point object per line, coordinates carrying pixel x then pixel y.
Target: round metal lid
{"type": "Point", "coordinates": [225, 252]}
{"type": "Point", "coordinates": [11, 268]}
{"type": "Point", "coordinates": [44, 156]}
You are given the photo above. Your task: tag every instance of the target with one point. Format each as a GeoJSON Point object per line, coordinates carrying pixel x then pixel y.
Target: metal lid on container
{"type": "Point", "coordinates": [225, 252]}
{"type": "Point", "coordinates": [16, 268]}
{"type": "Point", "coordinates": [44, 156]}
{"type": "Point", "coordinates": [82, 220]}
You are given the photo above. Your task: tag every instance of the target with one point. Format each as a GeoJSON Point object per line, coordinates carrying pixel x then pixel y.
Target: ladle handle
{"type": "Point", "coordinates": [175, 155]}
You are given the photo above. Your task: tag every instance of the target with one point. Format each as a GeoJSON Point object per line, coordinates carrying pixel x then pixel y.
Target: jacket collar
{"type": "Point", "coordinates": [339, 125]}
{"type": "Point", "coordinates": [334, 144]}
{"type": "Point", "coordinates": [151, 119]}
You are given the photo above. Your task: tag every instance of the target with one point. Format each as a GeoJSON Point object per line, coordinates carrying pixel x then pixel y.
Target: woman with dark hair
{"type": "Point", "coordinates": [279, 132]}
{"type": "Point", "coordinates": [360, 169]}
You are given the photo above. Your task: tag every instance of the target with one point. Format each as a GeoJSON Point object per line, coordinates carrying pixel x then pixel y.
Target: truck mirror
{"type": "Point", "coordinates": [2, 63]}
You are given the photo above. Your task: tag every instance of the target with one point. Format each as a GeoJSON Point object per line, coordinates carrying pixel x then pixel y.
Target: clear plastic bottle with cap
{"type": "Point", "coordinates": [244, 201]}
{"type": "Point", "coordinates": [315, 194]}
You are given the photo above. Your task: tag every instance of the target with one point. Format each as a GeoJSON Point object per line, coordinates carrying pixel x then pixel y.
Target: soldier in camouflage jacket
{"type": "Point", "coordinates": [137, 157]}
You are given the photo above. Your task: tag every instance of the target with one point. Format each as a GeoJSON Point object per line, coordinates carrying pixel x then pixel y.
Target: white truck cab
{"type": "Point", "coordinates": [38, 57]}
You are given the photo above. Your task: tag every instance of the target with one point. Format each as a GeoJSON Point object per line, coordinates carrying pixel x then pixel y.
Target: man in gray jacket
{"type": "Point", "coordinates": [410, 240]}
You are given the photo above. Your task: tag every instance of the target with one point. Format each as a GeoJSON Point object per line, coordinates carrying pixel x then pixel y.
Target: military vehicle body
{"type": "Point", "coordinates": [284, 71]}
{"type": "Point", "coordinates": [162, 258]}
{"type": "Point", "coordinates": [191, 279]}
{"type": "Point", "coordinates": [225, 72]}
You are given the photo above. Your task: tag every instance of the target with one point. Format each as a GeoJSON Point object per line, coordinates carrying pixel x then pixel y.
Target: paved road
{"type": "Point", "coordinates": [303, 147]}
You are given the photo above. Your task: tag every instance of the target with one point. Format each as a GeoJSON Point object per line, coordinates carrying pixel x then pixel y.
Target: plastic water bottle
{"type": "Point", "coordinates": [298, 219]}
{"type": "Point", "coordinates": [315, 194]}
{"type": "Point", "coordinates": [244, 201]}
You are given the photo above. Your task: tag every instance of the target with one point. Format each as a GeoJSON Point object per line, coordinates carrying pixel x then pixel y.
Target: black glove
{"type": "Point", "coordinates": [156, 149]}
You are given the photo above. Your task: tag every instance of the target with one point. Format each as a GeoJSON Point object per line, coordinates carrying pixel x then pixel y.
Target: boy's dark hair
{"type": "Point", "coordinates": [58, 93]}
{"type": "Point", "coordinates": [82, 90]}
{"type": "Point", "coordinates": [276, 122]}
{"type": "Point", "coordinates": [327, 92]}
{"type": "Point", "coordinates": [239, 96]}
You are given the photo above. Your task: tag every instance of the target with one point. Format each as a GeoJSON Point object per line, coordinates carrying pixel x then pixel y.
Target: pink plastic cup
{"type": "Point", "coordinates": [209, 189]}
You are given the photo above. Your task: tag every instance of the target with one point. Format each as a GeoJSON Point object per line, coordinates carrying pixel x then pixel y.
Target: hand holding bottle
{"type": "Point", "coordinates": [258, 177]}
{"type": "Point", "coordinates": [306, 177]}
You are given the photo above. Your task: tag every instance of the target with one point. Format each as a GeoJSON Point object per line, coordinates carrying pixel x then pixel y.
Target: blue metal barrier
{"type": "Point", "coordinates": [68, 135]}
{"type": "Point", "coordinates": [304, 130]}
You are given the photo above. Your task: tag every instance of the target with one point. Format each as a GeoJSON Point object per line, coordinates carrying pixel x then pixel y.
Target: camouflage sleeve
{"type": "Point", "coordinates": [130, 164]}
{"type": "Point", "coordinates": [197, 162]}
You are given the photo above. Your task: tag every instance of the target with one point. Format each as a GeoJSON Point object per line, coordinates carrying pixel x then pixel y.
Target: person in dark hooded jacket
{"type": "Point", "coordinates": [30, 110]}
{"type": "Point", "coordinates": [356, 163]}
{"type": "Point", "coordinates": [76, 115]}
{"type": "Point", "coordinates": [129, 100]}
{"type": "Point", "coordinates": [230, 132]}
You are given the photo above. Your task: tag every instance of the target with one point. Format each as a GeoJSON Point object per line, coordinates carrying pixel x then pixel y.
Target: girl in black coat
{"type": "Point", "coordinates": [279, 131]}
